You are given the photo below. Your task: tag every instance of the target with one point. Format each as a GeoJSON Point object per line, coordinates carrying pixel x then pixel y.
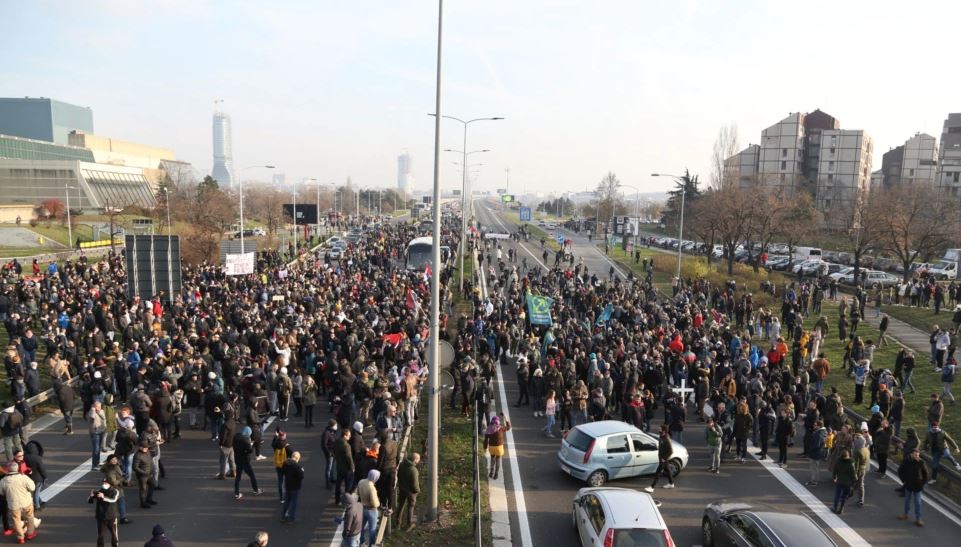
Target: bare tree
{"type": "Point", "coordinates": [607, 191]}
{"type": "Point", "coordinates": [704, 219]}
{"type": "Point", "coordinates": [912, 224]}
{"type": "Point", "coordinates": [733, 218]}
{"type": "Point", "coordinates": [799, 222]}
{"type": "Point", "coordinates": [725, 146]}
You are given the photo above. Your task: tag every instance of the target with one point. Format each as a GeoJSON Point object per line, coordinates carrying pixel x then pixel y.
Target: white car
{"type": "Point", "coordinates": [618, 517]}
{"type": "Point", "coordinates": [806, 264]}
{"type": "Point", "coordinates": [842, 273]}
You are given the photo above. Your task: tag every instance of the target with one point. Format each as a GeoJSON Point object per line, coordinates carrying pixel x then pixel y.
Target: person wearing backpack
{"type": "Point", "coordinates": [947, 378]}
{"type": "Point", "coordinates": [816, 450]}
{"type": "Point", "coordinates": [938, 442]}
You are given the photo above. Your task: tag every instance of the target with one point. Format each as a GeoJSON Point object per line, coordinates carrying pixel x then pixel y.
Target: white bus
{"type": "Point", "coordinates": [419, 252]}
{"type": "Point", "coordinates": [806, 253]}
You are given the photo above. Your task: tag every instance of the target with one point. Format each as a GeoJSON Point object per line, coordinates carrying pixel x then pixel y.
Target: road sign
{"type": "Point", "coordinates": [525, 214]}
{"type": "Point", "coordinates": [502, 190]}
{"type": "Point", "coordinates": [507, 198]}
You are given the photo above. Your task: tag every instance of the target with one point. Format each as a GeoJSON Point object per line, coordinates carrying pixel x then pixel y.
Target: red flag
{"type": "Point", "coordinates": [412, 301]}
{"type": "Point", "coordinates": [394, 339]}
{"type": "Point", "coordinates": [427, 271]}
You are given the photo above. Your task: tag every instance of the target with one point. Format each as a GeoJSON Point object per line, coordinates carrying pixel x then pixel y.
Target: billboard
{"type": "Point", "coordinates": [306, 213]}
{"type": "Point", "coordinates": [507, 198]}
{"type": "Point", "coordinates": [153, 266]}
{"type": "Point", "coordinates": [232, 246]}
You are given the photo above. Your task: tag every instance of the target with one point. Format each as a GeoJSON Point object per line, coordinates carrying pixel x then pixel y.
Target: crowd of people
{"type": "Point", "coordinates": [230, 355]}
{"type": "Point", "coordinates": [617, 348]}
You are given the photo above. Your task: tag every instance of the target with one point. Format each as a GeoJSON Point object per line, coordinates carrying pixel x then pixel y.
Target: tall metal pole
{"type": "Point", "coordinates": [433, 429]}
{"type": "Point", "coordinates": [680, 231]}
{"type": "Point", "coordinates": [66, 190]}
{"type": "Point", "coordinates": [170, 267]}
{"type": "Point", "coordinates": [243, 247]}
{"type": "Point", "coordinates": [318, 210]}
{"type": "Point", "coordinates": [463, 216]}
{"type": "Point", "coordinates": [295, 221]}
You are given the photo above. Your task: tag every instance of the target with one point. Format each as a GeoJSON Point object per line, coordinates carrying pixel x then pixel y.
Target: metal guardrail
{"type": "Point", "coordinates": [946, 471]}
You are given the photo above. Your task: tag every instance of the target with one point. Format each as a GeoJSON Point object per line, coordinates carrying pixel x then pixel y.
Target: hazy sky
{"type": "Point", "coordinates": [327, 89]}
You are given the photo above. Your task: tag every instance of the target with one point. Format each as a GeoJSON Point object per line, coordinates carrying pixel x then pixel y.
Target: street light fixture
{"type": "Point", "coordinates": [465, 196]}
{"type": "Point", "coordinates": [680, 228]}
{"type": "Point", "coordinates": [243, 246]}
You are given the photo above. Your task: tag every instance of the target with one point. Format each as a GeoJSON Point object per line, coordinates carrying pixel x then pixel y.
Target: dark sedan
{"type": "Point", "coordinates": [740, 525]}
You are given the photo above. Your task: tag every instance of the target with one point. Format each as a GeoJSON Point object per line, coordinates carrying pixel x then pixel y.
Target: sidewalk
{"type": "Point", "coordinates": [903, 333]}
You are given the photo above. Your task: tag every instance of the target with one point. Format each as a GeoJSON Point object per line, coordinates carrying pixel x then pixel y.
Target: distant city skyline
{"type": "Point", "coordinates": [331, 90]}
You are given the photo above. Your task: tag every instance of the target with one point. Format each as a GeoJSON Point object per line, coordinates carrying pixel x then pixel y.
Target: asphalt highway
{"type": "Point", "coordinates": [547, 492]}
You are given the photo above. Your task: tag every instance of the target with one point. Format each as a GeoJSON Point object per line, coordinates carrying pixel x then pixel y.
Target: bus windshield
{"type": "Point", "coordinates": [418, 255]}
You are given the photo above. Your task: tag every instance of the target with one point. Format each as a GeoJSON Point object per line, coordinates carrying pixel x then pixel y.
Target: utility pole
{"type": "Point", "coordinates": [433, 428]}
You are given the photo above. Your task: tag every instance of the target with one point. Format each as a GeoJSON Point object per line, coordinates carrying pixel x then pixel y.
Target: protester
{"type": "Point", "coordinates": [159, 538]}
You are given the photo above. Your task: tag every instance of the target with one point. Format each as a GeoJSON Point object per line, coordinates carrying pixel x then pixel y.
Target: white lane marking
{"type": "Point", "coordinates": [504, 226]}
{"type": "Point", "coordinates": [519, 502]}
{"type": "Point", "coordinates": [81, 470]}
{"type": "Point", "coordinates": [338, 539]}
{"type": "Point", "coordinates": [833, 521]}
{"type": "Point", "coordinates": [927, 499]}
{"type": "Point", "coordinates": [66, 481]}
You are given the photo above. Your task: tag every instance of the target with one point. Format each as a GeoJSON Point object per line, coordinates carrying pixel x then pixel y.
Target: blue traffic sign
{"type": "Point", "coordinates": [525, 213]}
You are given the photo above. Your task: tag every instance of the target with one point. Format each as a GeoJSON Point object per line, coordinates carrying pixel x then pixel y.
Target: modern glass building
{"type": "Point", "coordinates": [91, 186]}
{"type": "Point", "coordinates": [223, 171]}
{"type": "Point", "coordinates": [43, 119]}
{"type": "Point", "coordinates": [19, 148]}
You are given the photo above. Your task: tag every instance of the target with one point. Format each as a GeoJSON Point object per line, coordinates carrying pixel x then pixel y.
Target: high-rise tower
{"type": "Point", "coordinates": [223, 170]}
{"type": "Point", "coordinates": [404, 177]}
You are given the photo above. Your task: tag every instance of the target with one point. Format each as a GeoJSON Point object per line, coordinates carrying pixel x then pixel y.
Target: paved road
{"type": "Point", "coordinates": [547, 493]}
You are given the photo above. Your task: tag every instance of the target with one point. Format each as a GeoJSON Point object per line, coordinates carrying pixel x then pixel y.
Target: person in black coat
{"type": "Point", "coordinates": [66, 400]}
{"type": "Point", "coordinates": [159, 538]}
{"type": "Point", "coordinates": [33, 457]}
{"type": "Point", "coordinates": [106, 513]}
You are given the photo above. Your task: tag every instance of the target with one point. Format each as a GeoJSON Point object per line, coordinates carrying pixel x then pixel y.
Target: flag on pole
{"type": "Point", "coordinates": [412, 301]}
{"type": "Point", "coordinates": [605, 315]}
{"type": "Point", "coordinates": [539, 308]}
{"type": "Point", "coordinates": [548, 340]}
{"type": "Point", "coordinates": [427, 272]}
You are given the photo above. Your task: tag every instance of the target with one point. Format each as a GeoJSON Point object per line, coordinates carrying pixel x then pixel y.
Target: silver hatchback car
{"type": "Point", "coordinates": [600, 451]}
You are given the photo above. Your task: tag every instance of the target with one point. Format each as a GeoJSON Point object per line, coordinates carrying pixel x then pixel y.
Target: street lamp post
{"type": "Point", "coordinates": [465, 198]}
{"type": "Point", "coordinates": [67, 189]}
{"type": "Point", "coordinates": [243, 246]}
{"type": "Point", "coordinates": [170, 271]}
{"type": "Point", "coordinates": [680, 228]}
{"type": "Point", "coordinates": [465, 192]}
{"type": "Point", "coordinates": [433, 428]}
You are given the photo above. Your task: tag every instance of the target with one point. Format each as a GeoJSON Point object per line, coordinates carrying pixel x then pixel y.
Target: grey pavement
{"type": "Point", "coordinates": [16, 236]}
{"type": "Point", "coordinates": [547, 492]}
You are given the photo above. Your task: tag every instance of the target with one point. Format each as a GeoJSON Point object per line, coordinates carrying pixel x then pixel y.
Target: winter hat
{"type": "Point", "coordinates": [373, 475]}
{"type": "Point", "coordinates": [864, 426]}
{"type": "Point", "coordinates": [875, 409]}
{"type": "Point", "coordinates": [97, 374]}
{"type": "Point", "coordinates": [212, 375]}
{"type": "Point", "coordinates": [358, 427]}
{"type": "Point", "coordinates": [246, 431]}
{"type": "Point", "coordinates": [283, 370]}
{"type": "Point", "coordinates": [158, 530]}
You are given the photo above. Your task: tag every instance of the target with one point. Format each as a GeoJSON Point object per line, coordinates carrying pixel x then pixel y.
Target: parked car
{"type": "Point", "coordinates": [615, 517]}
{"type": "Point", "coordinates": [798, 266]}
{"type": "Point", "coordinates": [872, 279]}
{"type": "Point", "coordinates": [738, 524]}
{"type": "Point", "coordinates": [600, 451]}
{"type": "Point", "coordinates": [840, 274]}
